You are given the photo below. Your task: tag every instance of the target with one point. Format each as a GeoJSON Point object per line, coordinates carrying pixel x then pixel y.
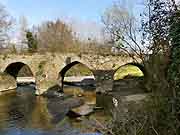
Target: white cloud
{"type": "Point", "coordinates": [88, 29]}
{"type": "Point", "coordinates": [4, 2]}
{"type": "Point", "coordinates": [85, 29]}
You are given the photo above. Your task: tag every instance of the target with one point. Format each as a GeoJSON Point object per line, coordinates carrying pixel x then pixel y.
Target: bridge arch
{"type": "Point", "coordinates": [139, 67]}
{"type": "Point", "coordinates": [14, 68]}
{"type": "Point", "coordinates": [69, 66]}
{"type": "Point", "coordinates": [129, 79]}
{"type": "Point", "coordinates": [63, 72]}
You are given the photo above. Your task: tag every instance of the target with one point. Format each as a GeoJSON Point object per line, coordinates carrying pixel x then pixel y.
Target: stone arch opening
{"type": "Point", "coordinates": [79, 80]}
{"type": "Point", "coordinates": [77, 73]}
{"type": "Point", "coordinates": [129, 78]}
{"type": "Point", "coordinates": [130, 70]}
{"type": "Point", "coordinates": [21, 72]}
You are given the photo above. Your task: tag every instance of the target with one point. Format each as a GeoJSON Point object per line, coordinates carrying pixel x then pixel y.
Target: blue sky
{"type": "Point", "coordinates": [40, 10]}
{"type": "Point", "coordinates": [85, 14]}
{"type": "Point", "coordinates": [37, 11]}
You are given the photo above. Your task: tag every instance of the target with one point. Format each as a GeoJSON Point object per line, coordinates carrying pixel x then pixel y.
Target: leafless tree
{"type": "Point", "coordinates": [23, 22]}
{"type": "Point", "coordinates": [5, 25]}
{"type": "Point", "coordinates": [55, 36]}
{"type": "Point", "coordinates": [140, 38]}
{"type": "Point", "coordinates": [123, 31]}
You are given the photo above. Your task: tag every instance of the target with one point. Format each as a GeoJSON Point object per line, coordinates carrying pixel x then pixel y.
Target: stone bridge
{"type": "Point", "coordinates": [49, 69]}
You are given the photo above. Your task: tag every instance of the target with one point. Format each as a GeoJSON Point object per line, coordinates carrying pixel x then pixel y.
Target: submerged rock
{"type": "Point", "coordinates": [59, 108]}
{"type": "Point", "coordinates": [54, 94]}
{"type": "Point", "coordinates": [81, 111]}
{"type": "Point", "coordinates": [91, 134]}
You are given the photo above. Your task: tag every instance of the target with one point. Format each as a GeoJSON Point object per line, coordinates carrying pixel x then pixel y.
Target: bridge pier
{"type": "Point", "coordinates": [104, 80]}
{"type": "Point", "coordinates": [44, 85]}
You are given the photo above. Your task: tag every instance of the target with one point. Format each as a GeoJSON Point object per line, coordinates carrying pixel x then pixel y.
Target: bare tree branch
{"type": "Point", "coordinates": [121, 27]}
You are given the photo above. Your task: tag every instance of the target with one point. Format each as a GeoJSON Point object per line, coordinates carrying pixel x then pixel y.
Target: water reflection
{"type": "Point", "coordinates": [89, 95]}
{"type": "Point", "coordinates": [22, 113]}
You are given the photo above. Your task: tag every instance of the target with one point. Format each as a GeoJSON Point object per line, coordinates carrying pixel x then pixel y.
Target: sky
{"type": "Point", "coordinates": [85, 15]}
{"type": "Point", "coordinates": [37, 11]}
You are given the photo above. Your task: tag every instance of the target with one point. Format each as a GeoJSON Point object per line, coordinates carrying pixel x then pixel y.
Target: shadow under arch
{"type": "Point", "coordinates": [138, 65]}
{"type": "Point", "coordinates": [62, 73]}
{"type": "Point", "coordinates": [14, 68]}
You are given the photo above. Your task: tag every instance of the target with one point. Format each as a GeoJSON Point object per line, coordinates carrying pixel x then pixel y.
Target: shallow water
{"type": "Point", "coordinates": [22, 113]}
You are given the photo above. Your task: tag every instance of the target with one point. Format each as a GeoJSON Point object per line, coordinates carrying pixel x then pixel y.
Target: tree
{"type": "Point", "coordinates": [31, 42]}
{"type": "Point", "coordinates": [23, 31]}
{"type": "Point", "coordinates": [150, 37]}
{"type": "Point", "coordinates": [158, 28]}
{"type": "Point", "coordinates": [122, 29]}
{"type": "Point", "coordinates": [5, 25]}
{"type": "Point", "coordinates": [55, 36]}
{"type": "Point", "coordinates": [174, 66]}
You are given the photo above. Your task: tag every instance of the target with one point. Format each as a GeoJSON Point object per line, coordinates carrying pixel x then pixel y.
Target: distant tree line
{"type": "Point", "coordinates": [50, 36]}
{"type": "Point", "coordinates": [58, 36]}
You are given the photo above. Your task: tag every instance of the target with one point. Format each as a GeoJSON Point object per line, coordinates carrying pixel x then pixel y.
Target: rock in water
{"type": "Point", "coordinates": [59, 108]}
{"type": "Point", "coordinates": [91, 134]}
{"type": "Point", "coordinates": [81, 111]}
{"type": "Point", "coordinates": [53, 92]}
{"type": "Point", "coordinates": [59, 116]}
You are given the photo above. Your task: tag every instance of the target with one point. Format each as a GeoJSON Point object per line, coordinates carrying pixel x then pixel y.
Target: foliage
{"type": "Point", "coordinates": [31, 42]}
{"type": "Point", "coordinates": [156, 29]}
{"type": "Point", "coordinates": [174, 72]}
{"type": "Point", "coordinates": [157, 114]}
{"type": "Point", "coordinates": [149, 117]}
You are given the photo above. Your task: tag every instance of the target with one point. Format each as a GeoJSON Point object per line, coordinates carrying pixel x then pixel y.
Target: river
{"type": "Point", "coordinates": [23, 113]}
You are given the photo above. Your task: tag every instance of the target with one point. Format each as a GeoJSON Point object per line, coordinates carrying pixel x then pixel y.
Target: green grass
{"type": "Point", "coordinates": [128, 70]}
{"type": "Point", "coordinates": [79, 70]}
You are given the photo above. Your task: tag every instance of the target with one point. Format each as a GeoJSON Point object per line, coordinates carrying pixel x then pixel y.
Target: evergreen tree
{"type": "Point", "coordinates": [31, 42]}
